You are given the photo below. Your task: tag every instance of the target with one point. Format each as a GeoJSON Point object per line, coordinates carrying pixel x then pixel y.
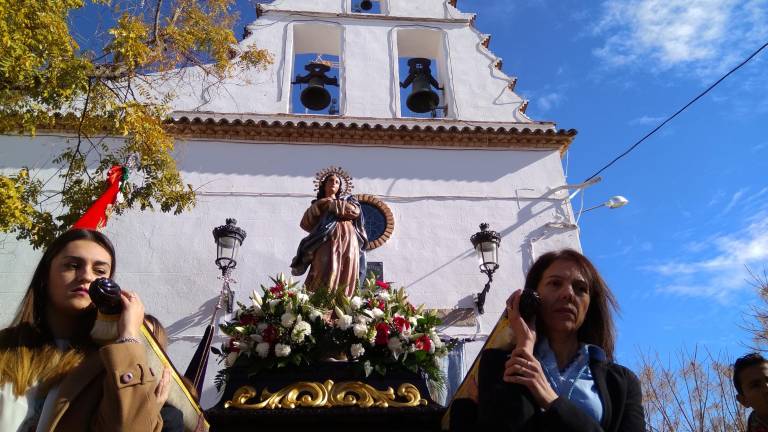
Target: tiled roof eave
{"type": "Point", "coordinates": [353, 133]}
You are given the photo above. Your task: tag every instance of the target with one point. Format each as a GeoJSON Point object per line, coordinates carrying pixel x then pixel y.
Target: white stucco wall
{"type": "Point", "coordinates": [438, 198]}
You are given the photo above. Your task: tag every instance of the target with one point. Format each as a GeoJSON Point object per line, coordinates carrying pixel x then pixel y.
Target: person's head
{"type": "Point", "coordinates": [157, 330]}
{"type": "Point", "coordinates": [574, 299]}
{"type": "Point", "coordinates": [59, 285]}
{"type": "Point", "coordinates": [330, 187]}
{"type": "Point", "coordinates": [750, 377]}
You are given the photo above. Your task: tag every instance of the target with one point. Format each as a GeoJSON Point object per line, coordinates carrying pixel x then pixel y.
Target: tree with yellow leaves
{"type": "Point", "coordinates": [47, 81]}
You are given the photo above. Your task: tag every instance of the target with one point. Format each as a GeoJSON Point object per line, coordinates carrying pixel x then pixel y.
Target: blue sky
{"type": "Point", "coordinates": [698, 189]}
{"type": "Point", "coordinates": [698, 214]}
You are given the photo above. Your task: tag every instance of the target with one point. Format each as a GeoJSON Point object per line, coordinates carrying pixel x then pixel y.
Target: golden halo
{"type": "Point", "coordinates": [339, 172]}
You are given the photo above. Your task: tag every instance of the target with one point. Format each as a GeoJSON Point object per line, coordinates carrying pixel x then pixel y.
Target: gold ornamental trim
{"type": "Point", "coordinates": [326, 395]}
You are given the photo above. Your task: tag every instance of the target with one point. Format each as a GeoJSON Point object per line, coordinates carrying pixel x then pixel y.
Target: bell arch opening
{"type": "Point", "coordinates": [422, 73]}
{"type": "Point", "coordinates": [317, 74]}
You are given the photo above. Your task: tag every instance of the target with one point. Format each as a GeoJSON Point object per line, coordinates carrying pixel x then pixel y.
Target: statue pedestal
{"type": "Point", "coordinates": [327, 396]}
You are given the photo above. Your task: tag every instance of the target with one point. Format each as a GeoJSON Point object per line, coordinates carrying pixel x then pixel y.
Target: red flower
{"type": "Point", "coordinates": [381, 305]}
{"type": "Point", "coordinates": [382, 285]}
{"type": "Point", "coordinates": [247, 319]}
{"type": "Point", "coordinates": [269, 334]}
{"type": "Point", "coordinates": [278, 290]}
{"type": "Point", "coordinates": [401, 323]}
{"type": "Point", "coordinates": [382, 334]}
{"type": "Point", "coordinates": [423, 343]}
{"type": "Point", "coordinates": [232, 347]}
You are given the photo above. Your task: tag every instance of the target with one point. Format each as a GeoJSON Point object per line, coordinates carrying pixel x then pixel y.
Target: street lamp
{"type": "Point", "coordinates": [228, 238]}
{"type": "Point", "coordinates": [613, 203]}
{"type": "Point", "coordinates": [486, 244]}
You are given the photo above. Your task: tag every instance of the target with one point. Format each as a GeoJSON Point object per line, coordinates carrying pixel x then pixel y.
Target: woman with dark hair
{"type": "Point", "coordinates": [333, 249]}
{"type": "Point", "coordinates": [560, 375]}
{"type": "Point", "coordinates": [53, 377]}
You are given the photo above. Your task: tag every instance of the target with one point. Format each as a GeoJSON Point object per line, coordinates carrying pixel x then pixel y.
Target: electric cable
{"type": "Point", "coordinates": [626, 152]}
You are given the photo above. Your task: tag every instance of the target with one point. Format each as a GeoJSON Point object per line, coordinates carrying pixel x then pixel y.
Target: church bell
{"type": "Point", "coordinates": [315, 96]}
{"type": "Point", "coordinates": [422, 98]}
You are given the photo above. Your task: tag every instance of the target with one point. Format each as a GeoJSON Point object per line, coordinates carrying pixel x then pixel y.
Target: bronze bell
{"type": "Point", "coordinates": [422, 98]}
{"type": "Point", "coordinates": [366, 5]}
{"type": "Point", "coordinates": [315, 96]}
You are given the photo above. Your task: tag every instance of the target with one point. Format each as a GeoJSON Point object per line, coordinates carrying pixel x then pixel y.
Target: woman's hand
{"type": "Point", "coordinates": [163, 388]}
{"type": "Point", "coordinates": [523, 368]}
{"type": "Point", "coordinates": [132, 317]}
{"type": "Point", "coordinates": [525, 336]}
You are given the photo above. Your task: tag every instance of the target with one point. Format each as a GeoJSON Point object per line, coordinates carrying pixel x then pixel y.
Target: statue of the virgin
{"type": "Point", "coordinates": [333, 250]}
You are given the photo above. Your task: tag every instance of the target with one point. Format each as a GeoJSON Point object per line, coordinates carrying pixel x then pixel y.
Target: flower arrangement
{"type": "Point", "coordinates": [377, 329]}
{"type": "Point", "coordinates": [384, 332]}
{"type": "Point", "coordinates": [275, 330]}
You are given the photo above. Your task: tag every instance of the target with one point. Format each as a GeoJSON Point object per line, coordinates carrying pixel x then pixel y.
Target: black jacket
{"type": "Point", "coordinates": [511, 407]}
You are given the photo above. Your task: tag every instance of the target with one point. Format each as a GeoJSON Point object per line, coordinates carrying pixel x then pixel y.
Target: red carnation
{"type": "Point", "coordinates": [423, 343]}
{"type": "Point", "coordinates": [269, 334]}
{"type": "Point", "coordinates": [382, 334]}
{"type": "Point", "coordinates": [382, 285]}
{"type": "Point", "coordinates": [401, 323]}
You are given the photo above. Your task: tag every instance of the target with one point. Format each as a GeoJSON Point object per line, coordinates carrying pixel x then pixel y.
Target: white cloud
{"type": "Point", "coordinates": [722, 273]}
{"type": "Point", "coordinates": [645, 120]}
{"type": "Point", "coordinates": [734, 200]}
{"type": "Point", "coordinates": [704, 36]}
{"type": "Point", "coordinates": [549, 101]}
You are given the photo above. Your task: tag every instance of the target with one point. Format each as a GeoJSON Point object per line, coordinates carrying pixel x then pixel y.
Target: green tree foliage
{"type": "Point", "coordinates": [47, 81]}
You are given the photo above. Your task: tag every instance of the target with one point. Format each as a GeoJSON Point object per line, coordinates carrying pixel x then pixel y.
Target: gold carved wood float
{"type": "Point", "coordinates": [326, 395]}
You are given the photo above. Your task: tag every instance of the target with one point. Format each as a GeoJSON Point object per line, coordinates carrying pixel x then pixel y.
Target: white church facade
{"type": "Point", "coordinates": [251, 149]}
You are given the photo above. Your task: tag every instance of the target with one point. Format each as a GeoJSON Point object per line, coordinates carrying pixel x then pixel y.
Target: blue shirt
{"type": "Point", "coordinates": [575, 382]}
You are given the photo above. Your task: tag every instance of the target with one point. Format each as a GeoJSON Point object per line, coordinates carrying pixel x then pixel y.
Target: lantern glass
{"type": "Point", "coordinates": [488, 255]}
{"type": "Point", "coordinates": [226, 251]}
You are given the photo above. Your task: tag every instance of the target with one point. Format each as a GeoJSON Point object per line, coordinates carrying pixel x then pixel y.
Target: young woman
{"type": "Point", "coordinates": [52, 376]}
{"type": "Point", "coordinates": [560, 376]}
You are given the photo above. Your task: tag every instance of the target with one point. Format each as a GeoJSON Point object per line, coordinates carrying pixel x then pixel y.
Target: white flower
{"type": "Point", "coordinates": [256, 338]}
{"type": "Point", "coordinates": [282, 350]}
{"type": "Point", "coordinates": [356, 350]}
{"type": "Point", "coordinates": [395, 345]}
{"type": "Point", "coordinates": [344, 322]}
{"type": "Point", "coordinates": [262, 326]}
{"type": "Point", "coordinates": [377, 313]}
{"type": "Point", "coordinates": [413, 320]}
{"type": "Point", "coordinates": [406, 333]}
{"type": "Point", "coordinates": [274, 302]}
{"type": "Point", "coordinates": [256, 298]}
{"type": "Point", "coordinates": [314, 314]}
{"type": "Point", "coordinates": [231, 358]}
{"type": "Point", "coordinates": [360, 330]}
{"type": "Point", "coordinates": [287, 319]}
{"type": "Point", "coordinates": [301, 330]}
{"type": "Point", "coordinates": [356, 302]}
{"type": "Point", "coordinates": [303, 298]}
{"type": "Point", "coordinates": [362, 319]}
{"type": "Point", "coordinates": [262, 349]}
{"type": "Point", "coordinates": [383, 295]}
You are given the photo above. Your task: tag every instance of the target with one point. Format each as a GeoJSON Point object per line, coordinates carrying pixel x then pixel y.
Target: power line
{"type": "Point", "coordinates": [626, 152]}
